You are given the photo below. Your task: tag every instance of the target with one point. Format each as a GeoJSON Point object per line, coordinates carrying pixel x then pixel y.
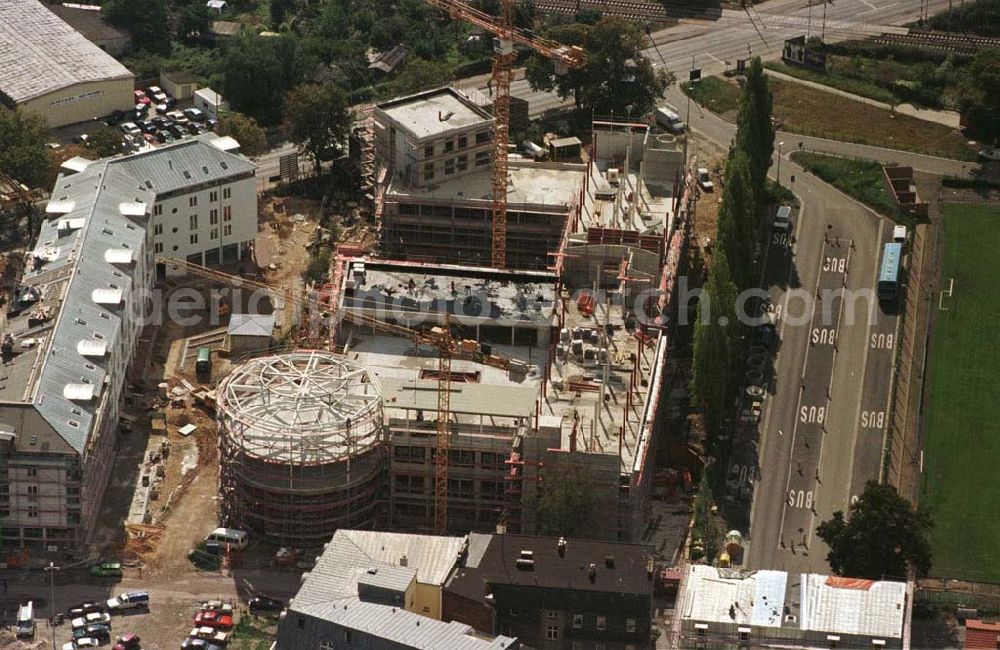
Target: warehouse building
{"type": "Point", "coordinates": [88, 20]}
{"type": "Point", "coordinates": [49, 68]}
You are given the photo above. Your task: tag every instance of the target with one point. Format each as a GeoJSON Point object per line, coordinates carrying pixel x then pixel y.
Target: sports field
{"type": "Point", "coordinates": [962, 443]}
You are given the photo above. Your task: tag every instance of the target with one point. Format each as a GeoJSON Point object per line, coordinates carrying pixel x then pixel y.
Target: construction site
{"type": "Point", "coordinates": [447, 390]}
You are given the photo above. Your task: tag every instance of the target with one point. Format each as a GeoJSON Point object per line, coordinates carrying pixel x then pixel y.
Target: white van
{"type": "Point", "coordinates": [669, 120]}
{"type": "Point", "coordinates": [25, 627]}
{"type": "Point", "coordinates": [236, 539]}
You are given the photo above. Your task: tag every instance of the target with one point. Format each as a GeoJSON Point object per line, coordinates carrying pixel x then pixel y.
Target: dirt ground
{"type": "Point", "coordinates": [707, 208]}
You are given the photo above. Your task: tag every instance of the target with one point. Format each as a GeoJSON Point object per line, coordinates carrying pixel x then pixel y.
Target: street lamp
{"type": "Point", "coordinates": [51, 570]}
{"type": "Point", "coordinates": [778, 173]}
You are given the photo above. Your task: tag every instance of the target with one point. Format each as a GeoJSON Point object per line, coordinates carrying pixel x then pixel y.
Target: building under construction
{"type": "Point", "coordinates": [580, 315]}
{"type": "Point", "coordinates": [302, 449]}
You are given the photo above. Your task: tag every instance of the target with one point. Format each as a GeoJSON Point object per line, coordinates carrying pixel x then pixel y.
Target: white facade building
{"type": "Point", "coordinates": [205, 210]}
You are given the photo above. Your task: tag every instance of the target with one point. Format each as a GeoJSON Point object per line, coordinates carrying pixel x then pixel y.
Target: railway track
{"type": "Point", "coordinates": [634, 9]}
{"type": "Point", "coordinates": [941, 41]}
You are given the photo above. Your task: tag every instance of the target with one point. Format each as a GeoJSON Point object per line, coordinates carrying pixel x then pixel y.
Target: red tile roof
{"type": "Point", "coordinates": [980, 635]}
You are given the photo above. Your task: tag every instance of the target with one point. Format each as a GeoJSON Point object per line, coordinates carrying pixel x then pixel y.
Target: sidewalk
{"type": "Point", "coordinates": [947, 118]}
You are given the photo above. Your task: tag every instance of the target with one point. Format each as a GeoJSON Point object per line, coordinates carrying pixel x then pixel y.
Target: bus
{"type": "Point", "coordinates": [888, 279]}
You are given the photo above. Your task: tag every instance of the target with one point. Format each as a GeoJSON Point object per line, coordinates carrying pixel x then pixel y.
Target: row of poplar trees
{"type": "Point", "coordinates": [733, 269]}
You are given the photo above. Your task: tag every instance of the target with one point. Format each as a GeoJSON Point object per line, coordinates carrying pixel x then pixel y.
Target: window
{"type": "Point", "coordinates": [449, 145]}
{"type": "Point", "coordinates": [463, 142]}
{"type": "Point", "coordinates": [630, 625]}
{"type": "Point", "coordinates": [194, 238]}
{"type": "Point", "coordinates": [463, 162]}
{"type": "Point", "coordinates": [578, 645]}
{"type": "Point", "coordinates": [227, 230]}
{"type": "Point", "coordinates": [551, 614]}
{"type": "Point", "coordinates": [32, 471]}
{"type": "Point", "coordinates": [552, 632]}
{"type": "Point", "coordinates": [577, 621]}
{"type": "Point", "coordinates": [598, 645]}
{"type": "Point", "coordinates": [493, 490]}
{"type": "Point", "coordinates": [428, 151]}
{"type": "Point", "coordinates": [193, 222]}
{"type": "Point", "coordinates": [428, 171]}
{"type": "Point", "coordinates": [157, 210]}
{"type": "Point", "coordinates": [490, 460]}
{"type": "Point", "coordinates": [226, 193]}
{"type": "Point", "coordinates": [463, 458]}
{"type": "Point", "coordinates": [32, 511]}
{"type": "Point", "coordinates": [214, 234]}
{"type": "Point", "coordinates": [449, 166]}
{"type": "Point", "coordinates": [227, 212]}
{"type": "Point", "coordinates": [482, 158]}
{"type": "Point", "coordinates": [629, 646]}
{"type": "Point", "coordinates": [301, 623]}
{"type": "Point", "coordinates": [482, 137]}
{"type": "Point", "coordinates": [325, 644]}
{"type": "Point", "coordinates": [158, 229]}
{"type": "Point", "coordinates": [602, 623]}
{"type": "Point", "coordinates": [158, 247]}
{"type": "Point", "coordinates": [213, 196]}
{"type": "Point", "coordinates": [213, 216]}
{"type": "Point", "coordinates": [461, 488]}
{"type": "Point", "coordinates": [192, 201]}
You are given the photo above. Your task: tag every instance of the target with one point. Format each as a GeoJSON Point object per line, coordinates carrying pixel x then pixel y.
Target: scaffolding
{"type": "Point", "coordinates": [302, 447]}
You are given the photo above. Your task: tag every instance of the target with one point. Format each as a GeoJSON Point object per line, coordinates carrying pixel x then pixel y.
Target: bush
{"type": "Point", "coordinates": [858, 178]}
{"type": "Point", "coordinates": [318, 268]}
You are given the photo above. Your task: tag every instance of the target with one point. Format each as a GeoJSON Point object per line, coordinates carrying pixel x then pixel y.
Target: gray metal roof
{"type": "Point", "coordinates": [88, 219]}
{"type": "Point", "coordinates": [97, 196]}
{"type": "Point", "coordinates": [468, 398]}
{"type": "Point", "coordinates": [251, 325]}
{"type": "Point", "coordinates": [184, 163]}
{"type": "Point", "coordinates": [330, 591]}
{"type": "Point", "coordinates": [39, 53]}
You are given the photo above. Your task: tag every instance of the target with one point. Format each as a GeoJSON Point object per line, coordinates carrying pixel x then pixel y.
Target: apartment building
{"type": "Point", "coordinates": [70, 332]}
{"type": "Point", "coordinates": [205, 198]}
{"type": "Point", "coordinates": [433, 136]}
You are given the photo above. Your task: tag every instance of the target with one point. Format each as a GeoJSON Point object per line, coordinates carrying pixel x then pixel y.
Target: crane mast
{"type": "Point", "coordinates": [503, 72]}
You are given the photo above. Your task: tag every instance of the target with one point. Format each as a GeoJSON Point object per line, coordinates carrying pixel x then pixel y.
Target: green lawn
{"type": "Point", "coordinates": [858, 178]}
{"type": "Point", "coordinates": [834, 79]}
{"type": "Point", "coordinates": [962, 446]}
{"type": "Point", "coordinates": [716, 94]}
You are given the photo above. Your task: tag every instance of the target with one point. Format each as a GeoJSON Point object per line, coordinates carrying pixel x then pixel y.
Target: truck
{"type": "Point", "coordinates": [203, 365]}
{"type": "Point", "coordinates": [128, 600]}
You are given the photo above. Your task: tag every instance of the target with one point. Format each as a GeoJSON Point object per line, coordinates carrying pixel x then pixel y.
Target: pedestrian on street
{"type": "Point", "coordinates": [800, 467]}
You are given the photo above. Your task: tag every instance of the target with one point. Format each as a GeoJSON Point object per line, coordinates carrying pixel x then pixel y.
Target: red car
{"type": "Point", "coordinates": [127, 641]}
{"type": "Point", "coordinates": [213, 618]}
{"type": "Point", "coordinates": [140, 98]}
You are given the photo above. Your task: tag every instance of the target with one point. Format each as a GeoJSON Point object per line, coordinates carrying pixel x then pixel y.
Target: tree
{"type": "Point", "coordinates": [146, 20]}
{"type": "Point", "coordinates": [616, 79]}
{"type": "Point", "coordinates": [980, 96]}
{"type": "Point", "coordinates": [754, 130]}
{"type": "Point", "coordinates": [246, 131]}
{"type": "Point", "coordinates": [705, 525]}
{"type": "Point", "coordinates": [738, 229]}
{"type": "Point", "coordinates": [193, 20]}
{"type": "Point", "coordinates": [258, 71]}
{"type": "Point", "coordinates": [417, 74]}
{"type": "Point", "coordinates": [316, 118]}
{"type": "Point", "coordinates": [105, 141]}
{"type": "Point", "coordinates": [714, 343]}
{"type": "Point", "coordinates": [22, 147]}
{"type": "Point", "coordinates": [279, 11]}
{"type": "Point", "coordinates": [882, 535]}
{"type": "Point", "coordinates": [566, 506]}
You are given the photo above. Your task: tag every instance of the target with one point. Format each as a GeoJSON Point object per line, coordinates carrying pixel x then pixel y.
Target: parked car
{"type": "Point", "coordinates": [705, 180]}
{"type": "Point", "coordinates": [151, 139]}
{"type": "Point", "coordinates": [97, 617]}
{"type": "Point", "coordinates": [209, 634]}
{"type": "Point", "coordinates": [193, 128]}
{"type": "Point", "coordinates": [141, 98]}
{"type": "Point", "coordinates": [782, 219]}
{"type": "Point", "coordinates": [99, 631]}
{"type": "Point", "coordinates": [127, 641]}
{"type": "Point", "coordinates": [162, 108]}
{"type": "Point", "coordinates": [86, 642]}
{"type": "Point", "coordinates": [84, 608]}
{"type": "Point", "coordinates": [199, 644]}
{"type": "Point", "coordinates": [128, 600]}
{"type": "Point", "coordinates": [178, 117]}
{"type": "Point", "coordinates": [146, 126]}
{"type": "Point", "coordinates": [177, 131]}
{"type": "Point", "coordinates": [113, 569]}
{"type": "Point", "coordinates": [989, 153]}
{"type": "Point", "coordinates": [217, 606]}
{"type": "Point", "coordinates": [213, 618]}
{"type": "Point", "coordinates": [194, 114]}
{"type": "Point", "coordinates": [260, 605]}
{"type": "Point", "coordinates": [164, 137]}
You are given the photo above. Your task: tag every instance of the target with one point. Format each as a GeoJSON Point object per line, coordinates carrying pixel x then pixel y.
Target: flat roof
{"type": "Point", "coordinates": [40, 53]}
{"type": "Point", "coordinates": [808, 602]}
{"type": "Point", "coordinates": [405, 288]}
{"type": "Point", "coordinates": [435, 112]}
{"type": "Point", "coordinates": [545, 186]}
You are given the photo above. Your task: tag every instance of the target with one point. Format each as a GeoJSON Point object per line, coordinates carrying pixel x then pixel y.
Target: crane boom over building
{"type": "Point", "coordinates": [506, 36]}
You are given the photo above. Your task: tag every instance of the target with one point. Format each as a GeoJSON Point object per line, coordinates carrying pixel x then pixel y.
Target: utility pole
{"type": "Point", "coordinates": [809, 21]}
{"type": "Point", "coordinates": [51, 570]}
{"type": "Point", "coordinates": [822, 35]}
